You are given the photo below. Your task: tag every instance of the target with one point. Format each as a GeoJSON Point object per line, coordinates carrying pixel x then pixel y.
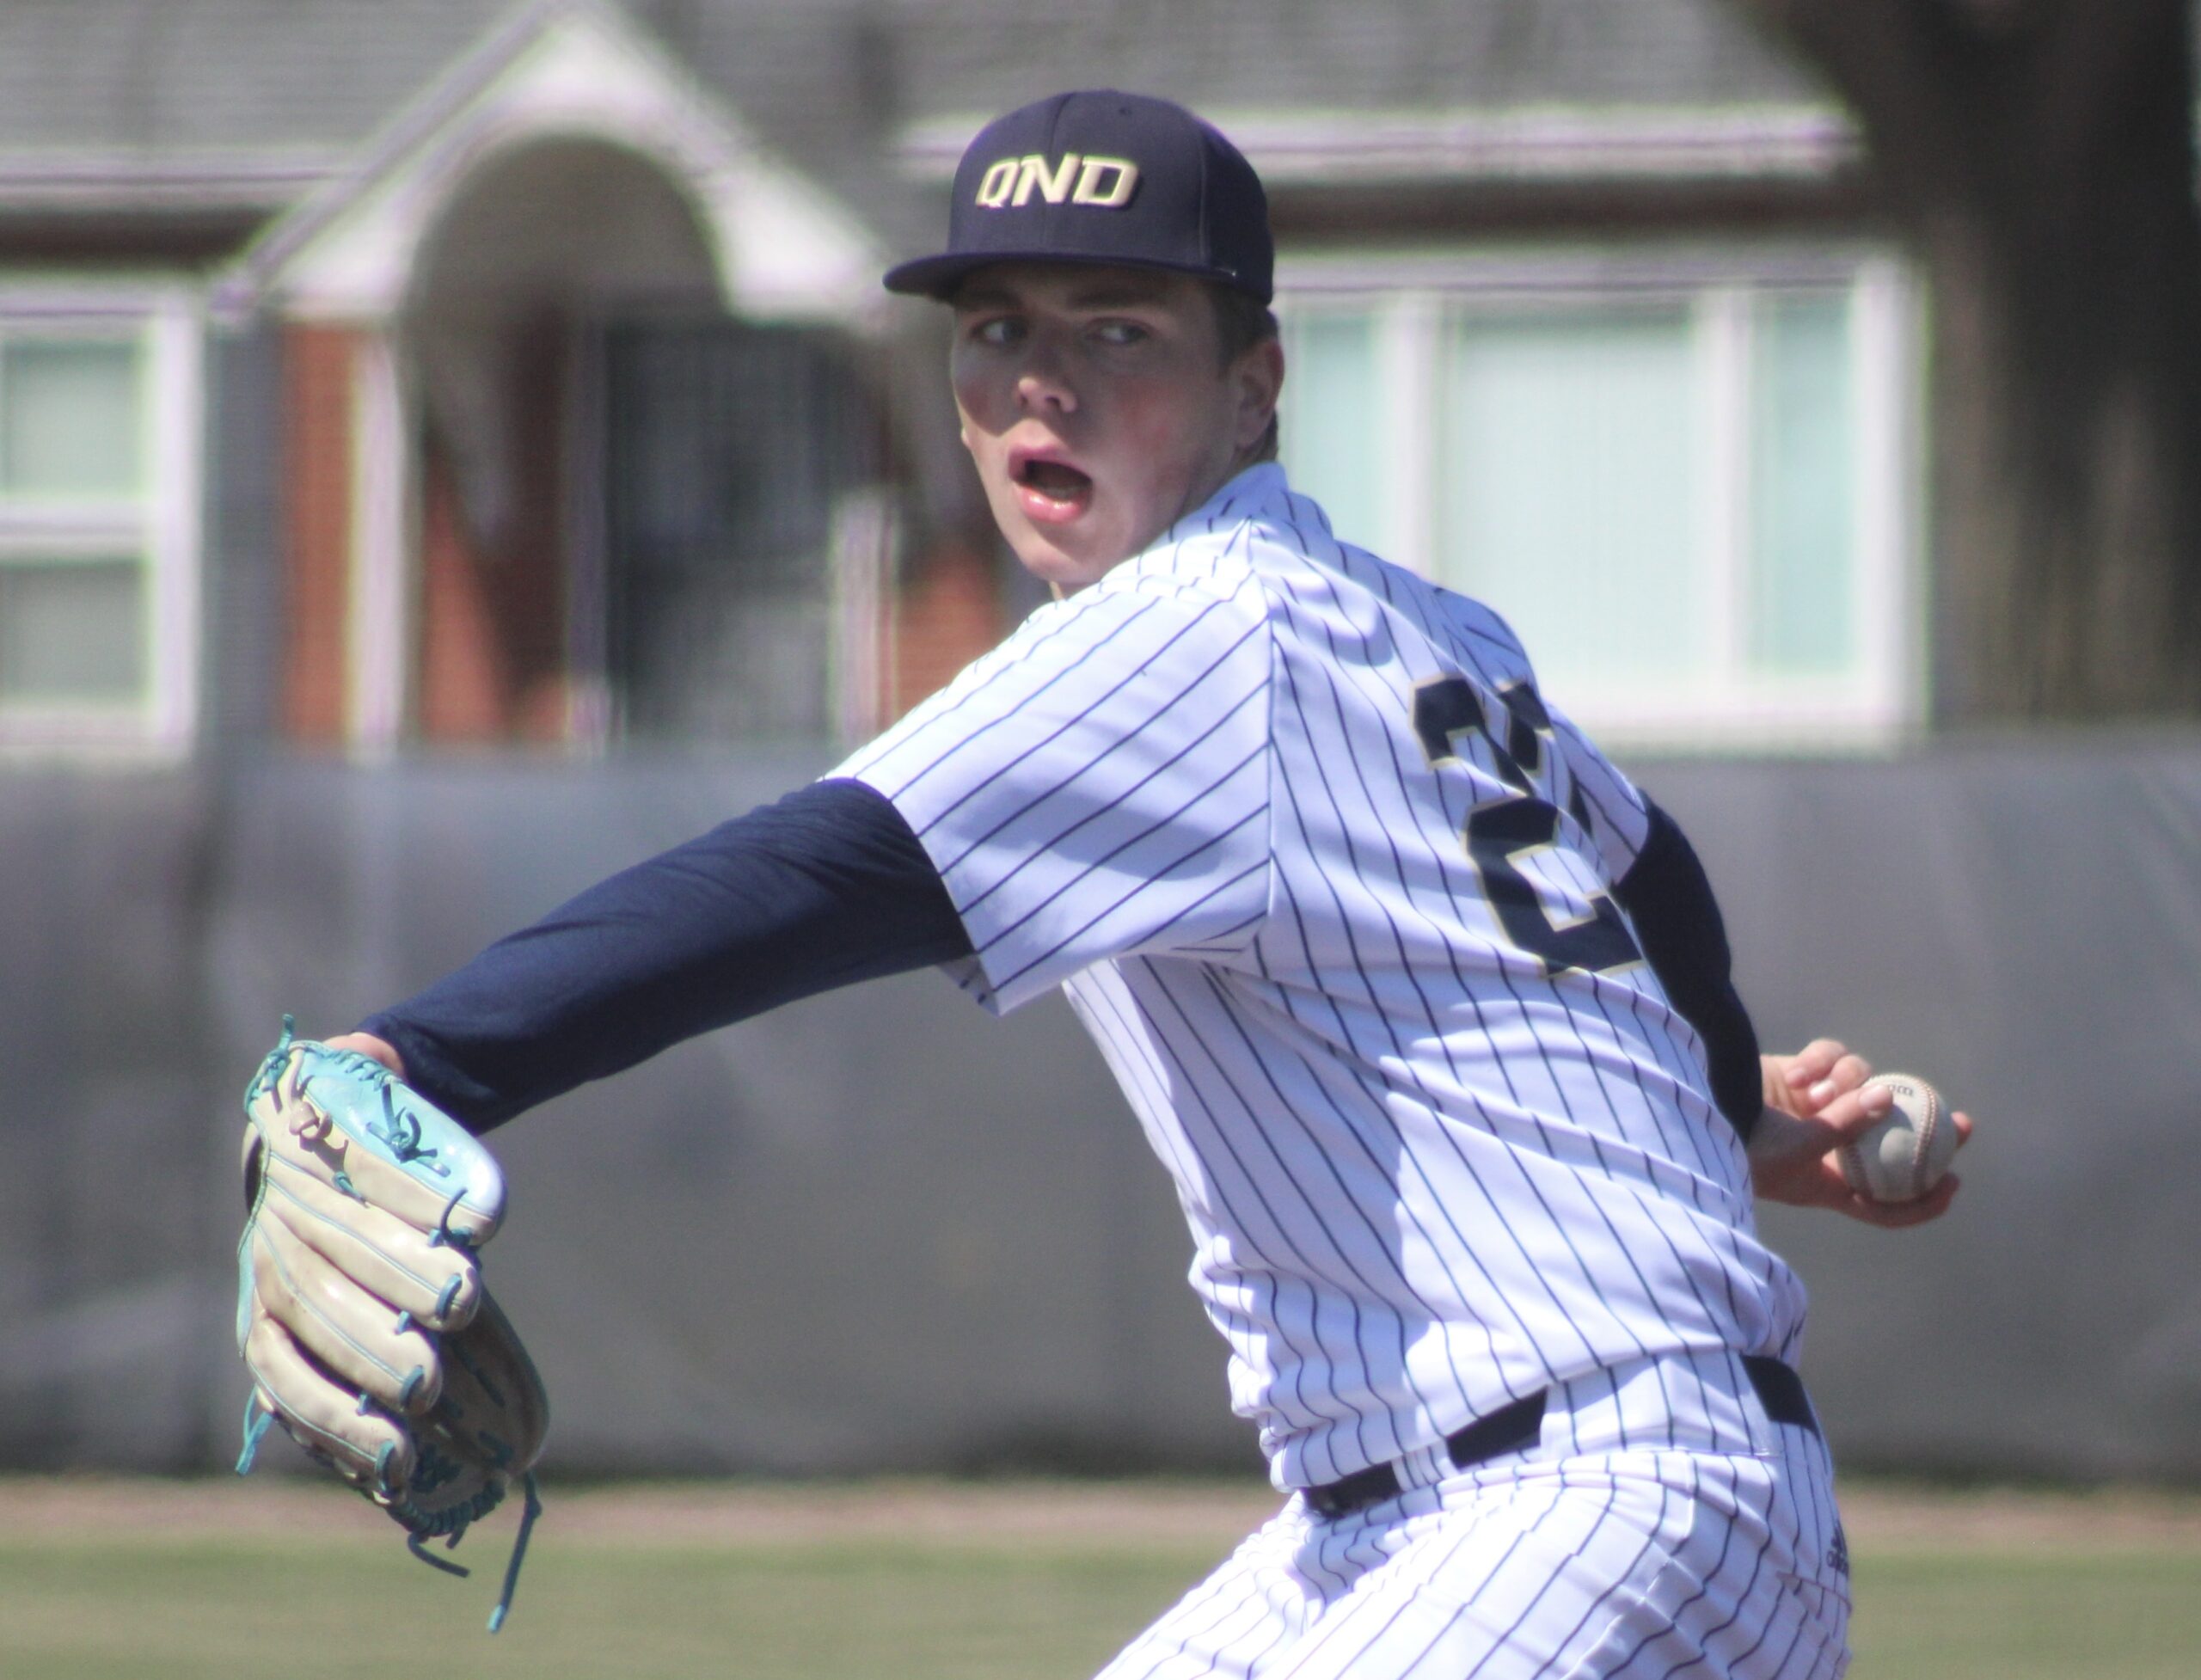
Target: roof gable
{"type": "Point", "coordinates": [559, 70]}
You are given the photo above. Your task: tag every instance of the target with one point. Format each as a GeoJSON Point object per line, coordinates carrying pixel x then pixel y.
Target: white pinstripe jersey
{"type": "Point", "coordinates": [1328, 885]}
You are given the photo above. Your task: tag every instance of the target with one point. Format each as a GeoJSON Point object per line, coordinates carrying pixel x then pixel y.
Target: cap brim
{"type": "Point", "coordinates": [931, 277]}
{"type": "Point", "coordinates": [938, 277]}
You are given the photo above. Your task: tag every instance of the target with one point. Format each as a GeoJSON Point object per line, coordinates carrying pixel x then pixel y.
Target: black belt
{"type": "Point", "coordinates": [1511, 1428]}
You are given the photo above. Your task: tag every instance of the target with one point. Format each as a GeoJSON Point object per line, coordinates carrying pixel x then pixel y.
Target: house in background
{"type": "Point", "coordinates": [376, 373]}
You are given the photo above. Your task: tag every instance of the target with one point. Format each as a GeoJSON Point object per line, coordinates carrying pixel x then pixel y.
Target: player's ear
{"type": "Point", "coordinates": [1257, 381]}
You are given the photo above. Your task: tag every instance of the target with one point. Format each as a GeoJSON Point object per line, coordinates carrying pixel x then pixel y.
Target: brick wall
{"type": "Point", "coordinates": [317, 423]}
{"type": "Point", "coordinates": [492, 647]}
{"type": "Point", "coordinates": [465, 682]}
{"type": "Point", "coordinates": [946, 615]}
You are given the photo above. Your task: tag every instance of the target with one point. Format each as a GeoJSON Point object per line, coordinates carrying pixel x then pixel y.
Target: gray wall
{"type": "Point", "coordinates": [880, 1230]}
{"type": "Point", "coordinates": [2021, 921]}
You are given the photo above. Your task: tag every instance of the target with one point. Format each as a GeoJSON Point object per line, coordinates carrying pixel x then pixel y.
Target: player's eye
{"type": "Point", "coordinates": [1119, 335]}
{"type": "Point", "coordinates": [997, 330]}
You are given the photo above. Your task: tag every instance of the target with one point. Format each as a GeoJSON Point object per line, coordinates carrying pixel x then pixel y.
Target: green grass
{"type": "Point", "coordinates": [114, 1604]}
{"type": "Point", "coordinates": [2121, 1613]}
{"type": "Point", "coordinates": [229, 1612]}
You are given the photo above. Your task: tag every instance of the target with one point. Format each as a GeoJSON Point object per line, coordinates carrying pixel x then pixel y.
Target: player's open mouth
{"type": "Point", "coordinates": [1051, 489]}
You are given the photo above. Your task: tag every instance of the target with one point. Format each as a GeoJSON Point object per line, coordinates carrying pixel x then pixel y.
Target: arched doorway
{"type": "Point", "coordinates": [536, 247]}
{"type": "Point", "coordinates": [626, 497]}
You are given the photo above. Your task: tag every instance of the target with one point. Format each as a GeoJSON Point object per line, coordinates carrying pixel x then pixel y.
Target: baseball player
{"type": "Point", "coordinates": [1425, 1007]}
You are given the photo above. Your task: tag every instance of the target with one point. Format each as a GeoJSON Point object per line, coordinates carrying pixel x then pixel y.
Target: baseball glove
{"type": "Point", "coordinates": [361, 1313]}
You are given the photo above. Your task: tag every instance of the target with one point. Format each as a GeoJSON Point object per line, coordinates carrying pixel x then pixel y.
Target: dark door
{"type": "Point", "coordinates": [727, 451]}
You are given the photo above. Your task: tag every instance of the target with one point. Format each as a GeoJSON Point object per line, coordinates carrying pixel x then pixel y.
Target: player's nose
{"type": "Point", "coordinates": [1044, 379]}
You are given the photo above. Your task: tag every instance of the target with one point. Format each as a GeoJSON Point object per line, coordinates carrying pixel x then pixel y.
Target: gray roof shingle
{"type": "Point", "coordinates": [280, 91]}
{"type": "Point", "coordinates": [975, 54]}
{"type": "Point", "coordinates": [196, 75]}
{"type": "Point", "coordinates": [193, 78]}
{"type": "Point", "coordinates": [835, 82]}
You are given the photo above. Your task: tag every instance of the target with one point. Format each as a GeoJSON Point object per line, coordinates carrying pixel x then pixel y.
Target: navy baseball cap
{"type": "Point", "coordinates": [1103, 177]}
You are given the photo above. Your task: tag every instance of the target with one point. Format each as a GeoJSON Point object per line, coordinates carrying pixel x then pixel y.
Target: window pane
{"type": "Point", "coordinates": [72, 630]}
{"type": "Point", "coordinates": [1568, 499]}
{"type": "Point", "coordinates": [1333, 424]}
{"type": "Point", "coordinates": [1801, 618]}
{"type": "Point", "coordinates": [69, 420]}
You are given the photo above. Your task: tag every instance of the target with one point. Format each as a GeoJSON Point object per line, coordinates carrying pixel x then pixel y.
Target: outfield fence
{"type": "Point", "coordinates": [878, 1231]}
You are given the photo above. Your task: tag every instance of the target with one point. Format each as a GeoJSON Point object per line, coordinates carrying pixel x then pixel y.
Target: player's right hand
{"type": "Point", "coordinates": [1815, 1103]}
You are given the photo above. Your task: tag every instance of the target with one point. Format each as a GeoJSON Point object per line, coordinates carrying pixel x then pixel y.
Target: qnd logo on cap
{"type": "Point", "coordinates": [1104, 183]}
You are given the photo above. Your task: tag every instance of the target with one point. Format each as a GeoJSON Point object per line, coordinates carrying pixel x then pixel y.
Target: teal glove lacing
{"type": "Point", "coordinates": [400, 1132]}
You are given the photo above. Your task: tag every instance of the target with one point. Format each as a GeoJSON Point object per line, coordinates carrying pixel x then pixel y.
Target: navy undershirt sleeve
{"type": "Point", "coordinates": [825, 887]}
{"type": "Point", "coordinates": [1668, 896]}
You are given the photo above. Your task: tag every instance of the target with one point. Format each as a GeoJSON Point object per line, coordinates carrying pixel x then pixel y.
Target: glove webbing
{"type": "Point", "coordinates": [451, 1525]}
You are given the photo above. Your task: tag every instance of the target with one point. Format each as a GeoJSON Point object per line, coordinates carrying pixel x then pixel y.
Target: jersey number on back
{"type": "Point", "coordinates": [1499, 831]}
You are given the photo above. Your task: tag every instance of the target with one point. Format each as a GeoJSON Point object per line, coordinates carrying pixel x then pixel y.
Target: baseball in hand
{"type": "Point", "coordinates": [1904, 1155]}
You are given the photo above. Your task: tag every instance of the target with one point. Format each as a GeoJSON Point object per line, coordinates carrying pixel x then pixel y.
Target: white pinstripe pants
{"type": "Point", "coordinates": [1662, 1528]}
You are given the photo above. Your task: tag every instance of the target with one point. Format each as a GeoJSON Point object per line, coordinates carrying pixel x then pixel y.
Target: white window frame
{"type": "Point", "coordinates": [1880, 702]}
{"type": "Point", "coordinates": [161, 524]}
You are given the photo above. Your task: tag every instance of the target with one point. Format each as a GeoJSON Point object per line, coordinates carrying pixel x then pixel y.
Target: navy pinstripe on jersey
{"type": "Point", "coordinates": [1330, 885]}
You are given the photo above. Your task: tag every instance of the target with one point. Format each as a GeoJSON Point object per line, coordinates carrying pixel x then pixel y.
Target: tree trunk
{"type": "Point", "coordinates": [2039, 155]}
